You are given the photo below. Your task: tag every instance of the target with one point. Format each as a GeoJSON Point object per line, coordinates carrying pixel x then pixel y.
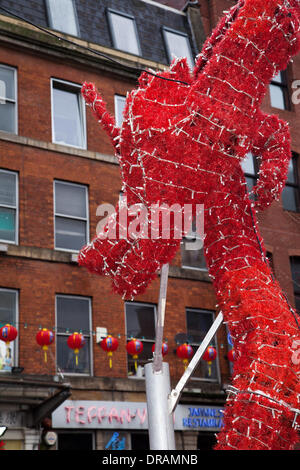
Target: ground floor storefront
{"type": "Point", "coordinates": [100, 425]}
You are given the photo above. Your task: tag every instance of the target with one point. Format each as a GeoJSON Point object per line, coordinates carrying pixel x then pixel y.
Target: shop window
{"type": "Point", "coordinates": [140, 324]}
{"type": "Point", "coordinates": [8, 99]}
{"type": "Point", "coordinates": [68, 114]}
{"type": "Point", "coordinates": [139, 441]}
{"type": "Point", "coordinates": [279, 93]}
{"type": "Point", "coordinates": [295, 268]}
{"type": "Point", "coordinates": [8, 206]}
{"type": "Point", "coordinates": [62, 16]}
{"type": "Point", "coordinates": [73, 314]}
{"type": "Point", "coordinates": [115, 440]}
{"type": "Point", "coordinates": [75, 441]}
{"type": "Point", "coordinates": [71, 225]}
{"type": "Point", "coordinates": [206, 441]}
{"type": "Point", "coordinates": [120, 102]}
{"type": "Point", "coordinates": [178, 45]}
{"type": "Point", "coordinates": [199, 322]}
{"type": "Point", "coordinates": [290, 193]}
{"type": "Point", "coordinates": [8, 314]}
{"type": "Point", "coordinates": [123, 32]}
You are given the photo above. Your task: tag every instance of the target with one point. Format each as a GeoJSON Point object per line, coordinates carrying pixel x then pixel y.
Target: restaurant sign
{"type": "Point", "coordinates": [131, 415]}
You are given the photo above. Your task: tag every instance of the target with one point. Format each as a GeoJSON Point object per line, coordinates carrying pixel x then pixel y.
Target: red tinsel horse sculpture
{"type": "Point", "coordinates": [182, 142]}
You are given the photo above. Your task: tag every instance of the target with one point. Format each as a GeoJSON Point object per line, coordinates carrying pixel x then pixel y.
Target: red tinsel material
{"type": "Point", "coordinates": [183, 143]}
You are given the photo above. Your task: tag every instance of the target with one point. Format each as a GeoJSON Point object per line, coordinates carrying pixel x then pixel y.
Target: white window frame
{"type": "Point", "coordinates": [147, 304]}
{"type": "Point", "coordinates": [16, 341]}
{"type": "Point", "coordinates": [16, 208]}
{"type": "Point", "coordinates": [185, 266]}
{"type": "Point", "coordinates": [111, 12]}
{"type": "Point", "coordinates": [192, 237]}
{"type": "Point", "coordinates": [196, 345]}
{"type": "Point", "coordinates": [82, 110]}
{"type": "Point", "coordinates": [51, 23]}
{"type": "Point", "coordinates": [71, 217]}
{"type": "Point", "coordinates": [90, 335]}
{"type": "Point", "coordinates": [170, 55]}
{"type": "Point", "coordinates": [15, 101]}
{"type": "Point", "coordinates": [117, 100]}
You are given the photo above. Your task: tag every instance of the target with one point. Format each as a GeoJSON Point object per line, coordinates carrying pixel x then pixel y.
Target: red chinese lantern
{"type": "Point", "coordinates": [231, 355]}
{"type": "Point", "coordinates": [76, 341]}
{"type": "Point", "coordinates": [185, 352]}
{"type": "Point", "coordinates": [8, 333]}
{"type": "Point", "coordinates": [44, 338]}
{"type": "Point", "coordinates": [134, 347]}
{"type": "Point", "coordinates": [209, 355]}
{"type": "Point", "coordinates": [109, 344]}
{"type": "Point", "coordinates": [164, 348]}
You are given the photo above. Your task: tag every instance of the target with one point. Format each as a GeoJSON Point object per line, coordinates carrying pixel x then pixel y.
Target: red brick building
{"type": "Point", "coordinates": [56, 167]}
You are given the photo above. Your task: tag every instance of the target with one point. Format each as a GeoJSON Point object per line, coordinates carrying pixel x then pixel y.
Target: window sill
{"type": "Point", "coordinates": [58, 148]}
{"type": "Point", "coordinates": [188, 273]}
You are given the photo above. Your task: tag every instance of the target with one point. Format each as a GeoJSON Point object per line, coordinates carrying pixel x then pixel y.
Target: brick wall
{"type": "Point", "coordinates": [39, 281]}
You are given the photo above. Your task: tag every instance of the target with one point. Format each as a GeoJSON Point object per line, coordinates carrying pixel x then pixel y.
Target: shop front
{"type": "Point", "coordinates": [112, 425]}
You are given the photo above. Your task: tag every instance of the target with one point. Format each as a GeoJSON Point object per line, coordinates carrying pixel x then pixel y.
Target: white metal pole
{"type": "Point", "coordinates": [157, 363]}
{"type": "Point", "coordinates": [158, 385]}
{"type": "Point", "coordinates": [160, 420]}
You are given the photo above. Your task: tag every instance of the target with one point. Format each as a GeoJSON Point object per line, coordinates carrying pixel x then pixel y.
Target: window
{"type": "Point", "coordinates": [8, 99]}
{"type": "Point", "coordinates": [198, 324]}
{"type": "Point", "coordinates": [139, 441]}
{"type": "Point", "coordinates": [8, 206]}
{"type": "Point", "coordinates": [71, 229]}
{"type": "Point", "coordinates": [68, 114]}
{"type": "Point", "coordinates": [279, 91]}
{"type": "Point", "coordinates": [75, 441]}
{"type": "Point", "coordinates": [62, 16]}
{"type": "Point", "coordinates": [140, 324]}
{"type": "Point", "coordinates": [295, 267]}
{"type": "Point", "coordinates": [124, 32]}
{"type": "Point", "coordinates": [178, 45]}
{"type": "Point", "coordinates": [120, 102]}
{"type": "Point", "coordinates": [250, 168]}
{"type": "Point", "coordinates": [8, 314]}
{"type": "Point", "coordinates": [73, 314]}
{"type": "Point", "coordinates": [269, 256]}
{"type": "Point", "coordinates": [290, 193]}
{"type": "Point", "coordinates": [192, 252]}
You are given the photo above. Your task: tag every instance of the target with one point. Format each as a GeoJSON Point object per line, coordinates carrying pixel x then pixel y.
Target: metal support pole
{"type": "Point", "coordinates": [160, 420]}
{"type": "Point", "coordinates": [158, 385]}
{"type": "Point", "coordinates": [157, 363]}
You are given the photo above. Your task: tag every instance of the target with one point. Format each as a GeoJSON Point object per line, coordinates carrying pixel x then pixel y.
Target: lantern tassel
{"type": "Point", "coordinates": [76, 351]}
{"type": "Point", "coordinates": [110, 359]}
{"type": "Point", "coordinates": [45, 348]}
{"type": "Point", "coordinates": [135, 362]}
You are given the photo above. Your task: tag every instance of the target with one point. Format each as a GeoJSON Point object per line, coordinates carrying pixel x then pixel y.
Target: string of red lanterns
{"type": "Point", "coordinates": [109, 344]}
